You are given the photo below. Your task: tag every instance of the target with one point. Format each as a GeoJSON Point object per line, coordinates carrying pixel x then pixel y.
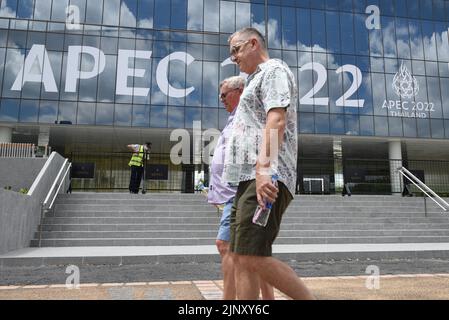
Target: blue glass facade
{"type": "Point", "coordinates": [158, 63]}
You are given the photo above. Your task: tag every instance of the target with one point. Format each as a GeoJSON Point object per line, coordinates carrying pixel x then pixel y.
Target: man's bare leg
{"type": "Point", "coordinates": [273, 271]}
{"type": "Point", "coordinates": [247, 281]}
{"type": "Point", "coordinates": [227, 267]}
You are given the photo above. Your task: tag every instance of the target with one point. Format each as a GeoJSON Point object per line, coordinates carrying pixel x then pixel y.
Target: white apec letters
{"type": "Point", "coordinates": [73, 65]}
{"type": "Point", "coordinates": [39, 53]}
{"type": "Point", "coordinates": [124, 71]}
{"type": "Point", "coordinates": [161, 75]}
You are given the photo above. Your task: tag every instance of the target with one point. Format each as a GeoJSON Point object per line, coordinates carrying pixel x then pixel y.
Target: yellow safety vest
{"type": "Point", "coordinates": [137, 158]}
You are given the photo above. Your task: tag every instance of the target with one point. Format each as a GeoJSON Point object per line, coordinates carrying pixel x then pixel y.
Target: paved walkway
{"type": "Point", "coordinates": [389, 287]}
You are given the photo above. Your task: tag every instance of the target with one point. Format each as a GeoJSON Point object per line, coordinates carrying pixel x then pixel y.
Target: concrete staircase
{"type": "Point", "coordinates": [87, 219]}
{"type": "Point", "coordinates": [124, 229]}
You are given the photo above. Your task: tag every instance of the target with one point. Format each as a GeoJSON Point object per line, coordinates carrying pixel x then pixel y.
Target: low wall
{"type": "Point", "coordinates": [20, 213]}
{"type": "Point", "coordinates": [19, 172]}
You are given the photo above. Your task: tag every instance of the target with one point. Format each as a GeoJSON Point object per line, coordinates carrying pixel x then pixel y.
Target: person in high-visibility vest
{"type": "Point", "coordinates": [136, 163]}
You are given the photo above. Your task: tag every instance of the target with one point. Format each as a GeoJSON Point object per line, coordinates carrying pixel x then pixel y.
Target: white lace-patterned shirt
{"type": "Point", "coordinates": [272, 85]}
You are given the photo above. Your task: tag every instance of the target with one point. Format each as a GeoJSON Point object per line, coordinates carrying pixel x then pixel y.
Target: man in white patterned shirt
{"type": "Point", "coordinates": [263, 143]}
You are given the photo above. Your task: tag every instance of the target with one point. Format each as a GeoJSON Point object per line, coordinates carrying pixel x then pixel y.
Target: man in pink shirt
{"type": "Point", "coordinates": [220, 193]}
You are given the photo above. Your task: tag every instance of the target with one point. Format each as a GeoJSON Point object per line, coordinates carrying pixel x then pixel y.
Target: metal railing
{"type": "Point", "coordinates": [17, 150]}
{"type": "Point", "coordinates": [424, 188]}
{"type": "Point", "coordinates": [47, 204]}
{"type": "Point", "coordinates": [110, 172]}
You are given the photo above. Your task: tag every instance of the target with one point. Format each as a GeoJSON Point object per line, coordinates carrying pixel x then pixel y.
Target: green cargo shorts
{"type": "Point", "coordinates": [248, 238]}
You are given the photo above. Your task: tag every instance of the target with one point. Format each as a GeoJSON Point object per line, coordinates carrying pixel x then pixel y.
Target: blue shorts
{"type": "Point", "coordinates": [224, 232]}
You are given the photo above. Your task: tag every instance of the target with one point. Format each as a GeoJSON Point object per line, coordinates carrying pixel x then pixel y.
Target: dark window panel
{"type": "Point", "coordinates": [67, 111]}
{"type": "Point", "coordinates": [195, 15]}
{"type": "Point", "coordinates": [379, 93]}
{"type": "Point", "coordinates": [401, 8]}
{"type": "Point", "coordinates": [337, 122]}
{"type": "Point", "coordinates": [210, 84]}
{"type": "Point", "coordinates": [141, 116]}
{"type": "Point", "coordinates": [112, 12]}
{"type": "Point", "coordinates": [214, 15]}
{"type": "Point", "coordinates": [28, 111]}
{"type": "Point", "coordinates": [175, 117]}
{"type": "Point", "coordinates": [318, 31]}
{"type": "Point", "coordinates": [333, 33]}
{"type": "Point", "coordinates": [426, 9]}
{"type": "Point", "coordinates": [9, 9]}
{"type": "Point", "coordinates": [9, 110]}
{"type": "Point", "coordinates": [306, 123]}
{"type": "Point", "coordinates": [162, 14]}
{"type": "Point", "coordinates": [437, 128]}
{"type": "Point", "coordinates": [445, 96]}
{"type": "Point", "coordinates": [122, 115]}
{"type": "Point", "coordinates": [104, 114]}
{"type": "Point", "coordinates": [387, 7]}
{"type": "Point", "coordinates": [304, 29]}
{"type": "Point", "coordinates": [145, 13]}
{"type": "Point", "coordinates": [42, 9]}
{"type": "Point", "coordinates": [17, 39]}
{"type": "Point", "coordinates": [413, 8]}
{"type": "Point", "coordinates": [410, 129]}
{"type": "Point", "coordinates": [14, 62]}
{"type": "Point", "coordinates": [128, 13]}
{"type": "Point", "coordinates": [347, 30]}
{"type": "Point", "coordinates": [403, 38]}
{"type": "Point", "coordinates": [389, 37]}
{"type": "Point", "coordinates": [423, 128]}
{"type": "Point", "coordinates": [86, 113]}
{"type": "Point", "coordinates": [25, 9]}
{"type": "Point", "coordinates": [366, 126]}
{"type": "Point", "coordinates": [381, 126]}
{"type": "Point", "coordinates": [434, 93]}
{"type": "Point", "coordinates": [48, 111]}
{"type": "Point", "coordinates": [94, 11]}
{"type": "Point", "coordinates": [395, 126]}
{"type": "Point", "coordinates": [258, 17]}
{"type": "Point", "coordinates": [191, 115]}
{"type": "Point", "coordinates": [227, 16]}
{"type": "Point", "coordinates": [2, 65]}
{"type": "Point", "coordinates": [58, 10]}
{"type": "Point", "coordinates": [274, 31]}
{"type": "Point", "coordinates": [210, 119]}
{"type": "Point", "coordinates": [243, 15]}
{"type": "Point", "coordinates": [289, 36]}
{"type": "Point", "coordinates": [158, 117]}
{"type": "Point", "coordinates": [322, 123]}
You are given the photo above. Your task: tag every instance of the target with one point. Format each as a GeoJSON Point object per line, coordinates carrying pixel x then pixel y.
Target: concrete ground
{"type": "Point", "coordinates": [337, 280]}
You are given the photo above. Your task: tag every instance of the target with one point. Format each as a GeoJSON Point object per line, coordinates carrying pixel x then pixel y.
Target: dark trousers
{"type": "Point", "coordinates": [136, 176]}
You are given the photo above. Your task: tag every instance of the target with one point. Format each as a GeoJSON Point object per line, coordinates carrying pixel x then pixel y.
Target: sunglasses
{"type": "Point", "coordinates": [223, 95]}
{"type": "Point", "coordinates": [236, 48]}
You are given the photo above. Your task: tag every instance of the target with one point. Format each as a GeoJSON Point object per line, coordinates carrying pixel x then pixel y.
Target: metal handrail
{"type": "Point", "coordinates": [420, 185]}
{"type": "Point", "coordinates": [57, 183]}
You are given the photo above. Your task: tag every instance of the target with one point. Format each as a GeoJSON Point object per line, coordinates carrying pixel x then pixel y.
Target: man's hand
{"type": "Point", "coordinates": [265, 189]}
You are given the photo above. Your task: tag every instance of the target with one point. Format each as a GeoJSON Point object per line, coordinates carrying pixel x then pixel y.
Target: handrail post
{"type": "Point", "coordinates": [40, 225]}
{"type": "Point", "coordinates": [425, 207]}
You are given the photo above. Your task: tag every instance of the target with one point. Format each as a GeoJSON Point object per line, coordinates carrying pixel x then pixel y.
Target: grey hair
{"type": "Point", "coordinates": [233, 82]}
{"type": "Point", "coordinates": [248, 32]}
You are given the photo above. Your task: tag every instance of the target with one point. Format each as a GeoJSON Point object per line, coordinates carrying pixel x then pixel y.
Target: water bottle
{"type": "Point", "coordinates": [261, 215]}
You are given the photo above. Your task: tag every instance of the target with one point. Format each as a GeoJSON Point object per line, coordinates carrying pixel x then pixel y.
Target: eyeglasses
{"type": "Point", "coordinates": [223, 95]}
{"type": "Point", "coordinates": [236, 48]}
